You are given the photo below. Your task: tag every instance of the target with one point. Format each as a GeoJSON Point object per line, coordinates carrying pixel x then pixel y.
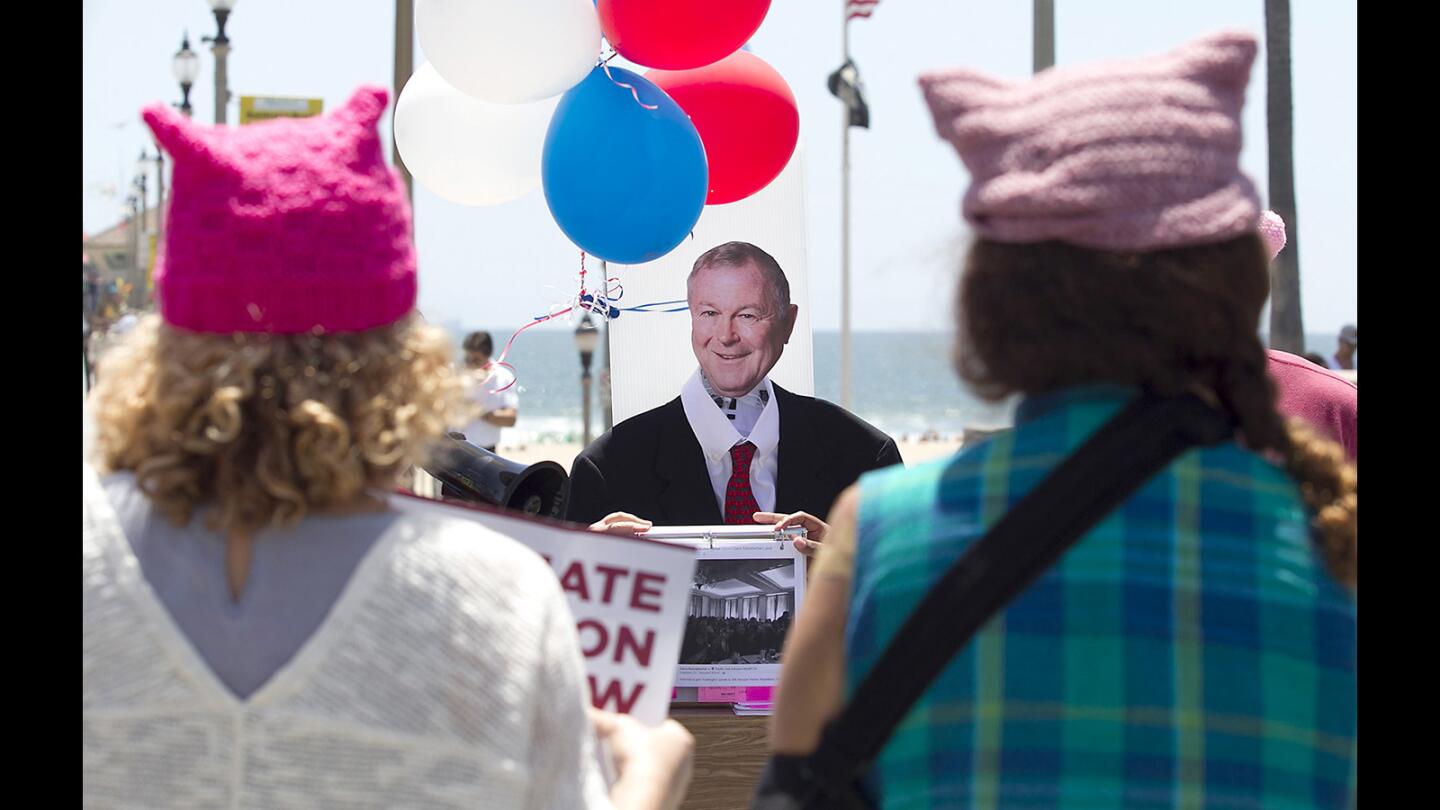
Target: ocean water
{"type": "Point", "coordinates": [901, 382]}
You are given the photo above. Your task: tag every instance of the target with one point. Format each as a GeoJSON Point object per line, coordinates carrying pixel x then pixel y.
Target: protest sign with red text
{"type": "Point", "coordinates": [628, 596]}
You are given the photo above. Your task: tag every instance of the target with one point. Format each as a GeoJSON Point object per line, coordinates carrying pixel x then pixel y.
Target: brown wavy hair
{"type": "Point", "coordinates": [265, 428]}
{"type": "Point", "coordinates": [1039, 317]}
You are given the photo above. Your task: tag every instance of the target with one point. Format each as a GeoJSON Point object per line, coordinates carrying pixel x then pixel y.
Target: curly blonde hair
{"type": "Point", "coordinates": [265, 428]}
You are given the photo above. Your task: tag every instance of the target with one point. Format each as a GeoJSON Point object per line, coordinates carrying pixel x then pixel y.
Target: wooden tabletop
{"type": "Point", "coordinates": [730, 752]}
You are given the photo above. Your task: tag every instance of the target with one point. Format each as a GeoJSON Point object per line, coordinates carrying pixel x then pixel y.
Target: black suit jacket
{"type": "Point", "coordinates": [651, 465]}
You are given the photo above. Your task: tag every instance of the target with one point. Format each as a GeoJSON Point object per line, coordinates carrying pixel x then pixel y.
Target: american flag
{"type": "Point", "coordinates": [859, 8]}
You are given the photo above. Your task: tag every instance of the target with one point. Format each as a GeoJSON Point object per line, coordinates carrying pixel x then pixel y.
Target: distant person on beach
{"type": "Point", "coordinates": [483, 383]}
{"type": "Point", "coordinates": [1305, 390]}
{"type": "Point", "coordinates": [1346, 345]}
{"type": "Point", "coordinates": [1325, 400]}
{"type": "Point", "coordinates": [1208, 623]}
{"type": "Point", "coordinates": [733, 447]}
{"type": "Point", "coordinates": [260, 629]}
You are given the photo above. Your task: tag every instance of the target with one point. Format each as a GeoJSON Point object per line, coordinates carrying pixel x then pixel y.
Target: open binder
{"type": "Point", "coordinates": [748, 583]}
{"type": "Point", "coordinates": [705, 536]}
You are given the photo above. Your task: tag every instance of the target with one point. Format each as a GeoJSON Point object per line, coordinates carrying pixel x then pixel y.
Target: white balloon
{"type": "Point", "coordinates": [466, 150]}
{"type": "Point", "coordinates": [510, 51]}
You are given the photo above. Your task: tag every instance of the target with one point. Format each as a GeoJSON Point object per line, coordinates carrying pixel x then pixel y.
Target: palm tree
{"type": "Point", "coordinates": [1287, 331]}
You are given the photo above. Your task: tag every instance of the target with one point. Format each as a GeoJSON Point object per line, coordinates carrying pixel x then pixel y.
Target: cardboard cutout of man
{"type": "Point", "coordinates": [733, 447]}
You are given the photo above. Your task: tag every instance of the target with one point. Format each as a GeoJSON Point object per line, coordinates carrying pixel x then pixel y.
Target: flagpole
{"type": "Point", "coordinates": [1044, 35]}
{"type": "Point", "coordinates": [845, 222]}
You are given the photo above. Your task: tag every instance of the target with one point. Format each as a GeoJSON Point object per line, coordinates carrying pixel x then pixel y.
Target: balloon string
{"type": "Point", "coordinates": [600, 302]}
{"type": "Point", "coordinates": [500, 361]}
{"type": "Point", "coordinates": [649, 307]}
{"type": "Point", "coordinates": [629, 87]}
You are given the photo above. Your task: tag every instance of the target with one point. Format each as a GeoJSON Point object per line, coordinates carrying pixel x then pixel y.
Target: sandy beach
{"type": "Point", "coordinates": [914, 452]}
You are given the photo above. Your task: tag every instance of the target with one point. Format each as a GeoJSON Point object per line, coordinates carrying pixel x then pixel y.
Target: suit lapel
{"type": "Point", "coordinates": [686, 496]}
{"type": "Point", "coordinates": [799, 454]}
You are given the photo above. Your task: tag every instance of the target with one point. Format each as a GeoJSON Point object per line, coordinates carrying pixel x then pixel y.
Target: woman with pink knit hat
{"type": "Point", "coordinates": [260, 630]}
{"type": "Point", "coordinates": [1142, 596]}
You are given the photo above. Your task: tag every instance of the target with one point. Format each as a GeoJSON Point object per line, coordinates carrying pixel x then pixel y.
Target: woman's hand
{"type": "Point", "coordinates": [653, 764]}
{"type": "Point", "coordinates": [814, 527]}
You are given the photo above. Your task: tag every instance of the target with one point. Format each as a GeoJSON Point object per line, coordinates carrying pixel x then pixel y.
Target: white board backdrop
{"type": "Point", "coordinates": [650, 356]}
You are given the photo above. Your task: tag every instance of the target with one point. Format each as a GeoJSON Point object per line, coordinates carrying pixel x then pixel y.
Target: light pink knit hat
{"type": "Point", "coordinates": [284, 226]}
{"type": "Point", "coordinates": [1124, 155]}
{"type": "Point", "coordinates": [1272, 232]}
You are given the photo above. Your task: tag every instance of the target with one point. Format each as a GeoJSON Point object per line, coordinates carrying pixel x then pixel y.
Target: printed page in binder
{"type": "Point", "coordinates": [743, 596]}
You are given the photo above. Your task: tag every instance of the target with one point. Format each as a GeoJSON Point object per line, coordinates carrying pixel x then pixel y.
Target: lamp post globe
{"type": "Point", "coordinates": [587, 337]}
{"type": "Point", "coordinates": [185, 66]}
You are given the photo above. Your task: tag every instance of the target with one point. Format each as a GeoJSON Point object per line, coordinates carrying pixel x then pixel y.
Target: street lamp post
{"type": "Point", "coordinates": [185, 66]}
{"type": "Point", "coordinates": [134, 205]}
{"type": "Point", "coordinates": [85, 353]}
{"type": "Point", "coordinates": [88, 305]}
{"type": "Point", "coordinates": [142, 185]}
{"type": "Point", "coordinates": [220, 46]}
{"type": "Point", "coordinates": [587, 336]}
{"type": "Point", "coordinates": [142, 167]}
{"type": "Point", "coordinates": [159, 162]}
{"type": "Point", "coordinates": [607, 380]}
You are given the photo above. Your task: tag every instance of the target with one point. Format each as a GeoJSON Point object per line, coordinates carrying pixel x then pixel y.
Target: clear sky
{"type": "Point", "coordinates": [495, 267]}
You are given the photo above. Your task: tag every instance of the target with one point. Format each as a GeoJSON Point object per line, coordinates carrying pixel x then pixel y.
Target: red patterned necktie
{"type": "Point", "coordinates": [740, 505]}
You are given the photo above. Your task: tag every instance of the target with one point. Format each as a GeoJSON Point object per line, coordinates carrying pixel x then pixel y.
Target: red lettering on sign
{"type": "Point", "coordinates": [603, 637]}
{"type": "Point", "coordinates": [626, 637]}
{"type": "Point", "coordinates": [613, 692]}
{"type": "Point", "coordinates": [646, 588]}
{"type": "Point", "coordinates": [641, 580]}
{"type": "Point", "coordinates": [574, 581]}
{"type": "Point", "coordinates": [610, 573]}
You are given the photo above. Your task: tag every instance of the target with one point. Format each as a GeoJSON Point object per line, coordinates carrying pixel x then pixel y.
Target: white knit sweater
{"type": "Point", "coordinates": [447, 675]}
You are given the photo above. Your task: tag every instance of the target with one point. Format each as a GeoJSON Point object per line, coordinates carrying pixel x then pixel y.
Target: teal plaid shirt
{"type": "Point", "coordinates": [1190, 651]}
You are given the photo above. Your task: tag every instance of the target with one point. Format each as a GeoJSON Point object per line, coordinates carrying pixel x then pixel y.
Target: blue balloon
{"type": "Point", "coordinates": [625, 183]}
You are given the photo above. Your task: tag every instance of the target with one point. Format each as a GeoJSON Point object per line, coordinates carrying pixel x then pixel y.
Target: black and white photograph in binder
{"type": "Point", "coordinates": [743, 597]}
{"type": "Point", "coordinates": [739, 611]}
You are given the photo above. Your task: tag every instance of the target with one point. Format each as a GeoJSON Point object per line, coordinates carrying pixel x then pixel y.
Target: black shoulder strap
{"type": "Point", "coordinates": [1124, 453]}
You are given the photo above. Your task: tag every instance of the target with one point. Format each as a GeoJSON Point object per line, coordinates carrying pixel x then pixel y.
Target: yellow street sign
{"type": "Point", "coordinates": [263, 108]}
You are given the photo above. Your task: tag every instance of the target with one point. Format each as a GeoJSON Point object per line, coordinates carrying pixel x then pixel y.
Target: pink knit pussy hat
{"type": "Point", "coordinates": [1125, 155]}
{"type": "Point", "coordinates": [1272, 232]}
{"type": "Point", "coordinates": [284, 226]}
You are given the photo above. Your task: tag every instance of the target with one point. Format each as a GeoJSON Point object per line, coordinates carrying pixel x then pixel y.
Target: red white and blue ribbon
{"type": "Point", "coordinates": [599, 302]}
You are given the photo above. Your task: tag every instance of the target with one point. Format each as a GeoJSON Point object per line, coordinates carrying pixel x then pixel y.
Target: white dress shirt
{"type": "Point", "coordinates": [484, 393]}
{"type": "Point", "coordinates": [717, 434]}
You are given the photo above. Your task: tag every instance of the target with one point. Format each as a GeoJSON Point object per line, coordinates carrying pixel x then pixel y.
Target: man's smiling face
{"type": "Point", "coordinates": [736, 328]}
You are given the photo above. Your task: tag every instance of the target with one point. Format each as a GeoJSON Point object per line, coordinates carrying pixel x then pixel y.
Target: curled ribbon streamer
{"type": "Point", "coordinates": [599, 302]}
{"type": "Point", "coordinates": [629, 87]}
{"type": "Point", "coordinates": [647, 307]}
{"type": "Point", "coordinates": [505, 352]}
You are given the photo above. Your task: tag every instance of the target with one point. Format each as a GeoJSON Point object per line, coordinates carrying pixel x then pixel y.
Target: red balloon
{"type": "Point", "coordinates": [746, 117]}
{"type": "Point", "coordinates": [679, 34]}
